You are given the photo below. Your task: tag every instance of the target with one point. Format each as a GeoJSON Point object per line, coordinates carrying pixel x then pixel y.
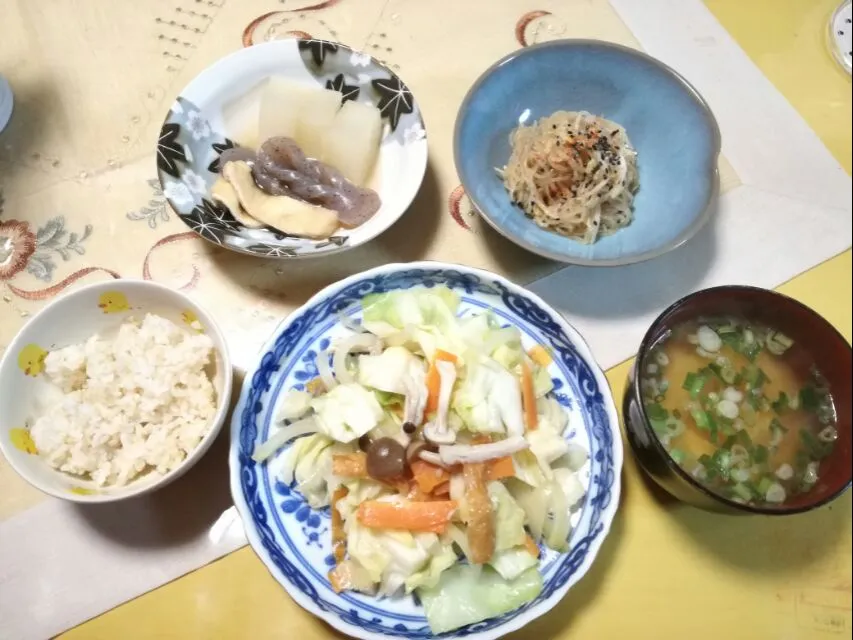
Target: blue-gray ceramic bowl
{"type": "Point", "coordinates": [668, 122]}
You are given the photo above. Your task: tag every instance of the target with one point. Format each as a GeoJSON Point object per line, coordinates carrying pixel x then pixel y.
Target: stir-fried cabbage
{"type": "Point", "coordinates": [294, 405]}
{"type": "Point", "coordinates": [431, 573]}
{"type": "Point", "coordinates": [398, 559]}
{"type": "Point", "coordinates": [385, 313]}
{"type": "Point", "coordinates": [347, 412]}
{"type": "Point", "coordinates": [309, 463]}
{"type": "Point", "coordinates": [387, 371]}
{"type": "Point", "coordinates": [551, 415]}
{"type": "Point", "coordinates": [511, 563]}
{"type": "Point", "coordinates": [489, 399]}
{"type": "Point", "coordinates": [357, 492]}
{"type": "Point", "coordinates": [547, 445]}
{"type": "Point", "coordinates": [466, 594]}
{"type": "Point", "coordinates": [509, 518]}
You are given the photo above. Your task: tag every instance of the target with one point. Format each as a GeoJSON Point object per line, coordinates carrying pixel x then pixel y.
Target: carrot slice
{"type": "Point", "coordinates": [350, 465]}
{"type": "Point", "coordinates": [500, 468]}
{"type": "Point", "coordinates": [433, 380]}
{"type": "Point", "coordinates": [409, 516]}
{"type": "Point", "coordinates": [428, 476]}
{"type": "Point", "coordinates": [528, 397]}
{"type": "Point", "coordinates": [540, 355]}
{"type": "Point", "coordinates": [531, 546]}
{"type": "Point", "coordinates": [339, 536]}
{"type": "Point", "coordinates": [415, 494]}
{"type": "Point", "coordinates": [481, 526]}
{"type": "Point", "coordinates": [442, 490]}
{"type": "Point", "coordinates": [441, 354]}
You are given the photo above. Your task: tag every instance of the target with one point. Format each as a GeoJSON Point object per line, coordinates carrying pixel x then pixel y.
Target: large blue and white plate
{"type": "Point", "coordinates": [293, 540]}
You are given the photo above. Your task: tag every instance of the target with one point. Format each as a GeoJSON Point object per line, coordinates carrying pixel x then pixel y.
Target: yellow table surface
{"type": "Point", "coordinates": [666, 570]}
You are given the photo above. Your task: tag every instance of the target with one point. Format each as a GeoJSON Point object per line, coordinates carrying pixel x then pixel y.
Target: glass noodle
{"type": "Point", "coordinates": [573, 173]}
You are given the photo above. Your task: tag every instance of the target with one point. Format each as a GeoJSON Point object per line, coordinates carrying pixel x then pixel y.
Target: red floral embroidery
{"type": "Point", "coordinates": [17, 244]}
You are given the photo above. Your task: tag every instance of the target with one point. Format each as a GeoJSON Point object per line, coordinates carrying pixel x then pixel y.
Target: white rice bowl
{"type": "Point", "coordinates": [100, 402]}
{"type": "Point", "coordinates": [123, 406]}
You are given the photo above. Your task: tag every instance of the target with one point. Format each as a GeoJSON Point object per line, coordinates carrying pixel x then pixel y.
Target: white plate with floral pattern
{"type": "Point", "coordinates": [194, 134]}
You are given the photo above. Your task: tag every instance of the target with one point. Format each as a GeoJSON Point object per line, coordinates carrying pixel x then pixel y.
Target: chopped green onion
{"type": "Point", "coordinates": [760, 454]}
{"type": "Point", "coordinates": [721, 461]}
{"type": "Point", "coordinates": [751, 350]}
{"type": "Point", "coordinates": [694, 383]}
{"type": "Point", "coordinates": [677, 455]}
{"type": "Point", "coordinates": [781, 404]}
{"type": "Point", "coordinates": [748, 414]}
{"type": "Point", "coordinates": [656, 412]}
{"type": "Point", "coordinates": [809, 398]}
{"type": "Point", "coordinates": [764, 484]}
{"type": "Point", "coordinates": [701, 418]}
{"type": "Point", "coordinates": [716, 369]}
{"type": "Point", "coordinates": [742, 491]}
{"type": "Point", "coordinates": [775, 493]}
{"type": "Point", "coordinates": [707, 464]}
{"type": "Point", "coordinates": [814, 447]}
{"type": "Point", "coordinates": [778, 343]}
{"type": "Point", "coordinates": [754, 376]}
{"type": "Point", "coordinates": [776, 425]}
{"type": "Point", "coordinates": [753, 400]}
{"type": "Point", "coordinates": [731, 339]}
{"type": "Point", "coordinates": [712, 426]}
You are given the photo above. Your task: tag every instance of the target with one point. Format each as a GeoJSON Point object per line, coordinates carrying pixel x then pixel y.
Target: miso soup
{"type": "Point", "coordinates": [740, 407]}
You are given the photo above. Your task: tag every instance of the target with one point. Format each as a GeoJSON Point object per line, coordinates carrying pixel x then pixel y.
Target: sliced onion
{"type": "Point", "coordinates": [468, 453]}
{"type": "Point", "coordinates": [325, 371]}
{"type": "Point", "coordinates": [557, 524]}
{"type": "Point", "coordinates": [401, 337]}
{"type": "Point", "coordinates": [282, 436]}
{"type": "Point", "coordinates": [357, 343]}
{"type": "Point", "coordinates": [350, 323]}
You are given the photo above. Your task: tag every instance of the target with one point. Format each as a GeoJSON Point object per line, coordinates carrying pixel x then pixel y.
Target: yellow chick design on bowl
{"type": "Point", "coordinates": [31, 360]}
{"type": "Point", "coordinates": [113, 302]}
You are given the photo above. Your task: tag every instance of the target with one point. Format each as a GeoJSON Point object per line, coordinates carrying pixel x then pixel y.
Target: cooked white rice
{"type": "Point", "coordinates": [124, 406]}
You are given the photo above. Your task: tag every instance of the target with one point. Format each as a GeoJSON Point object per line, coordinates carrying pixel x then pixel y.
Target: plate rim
{"type": "Point", "coordinates": [713, 194]}
{"type": "Point", "coordinates": [609, 513]}
{"type": "Point", "coordinates": [420, 168]}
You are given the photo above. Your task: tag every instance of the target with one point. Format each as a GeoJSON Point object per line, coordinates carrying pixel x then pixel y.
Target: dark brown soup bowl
{"type": "Point", "coordinates": [832, 356]}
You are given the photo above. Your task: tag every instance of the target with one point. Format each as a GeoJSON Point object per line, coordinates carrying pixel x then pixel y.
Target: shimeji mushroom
{"type": "Point", "coordinates": [471, 453]}
{"type": "Point", "coordinates": [438, 431]}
